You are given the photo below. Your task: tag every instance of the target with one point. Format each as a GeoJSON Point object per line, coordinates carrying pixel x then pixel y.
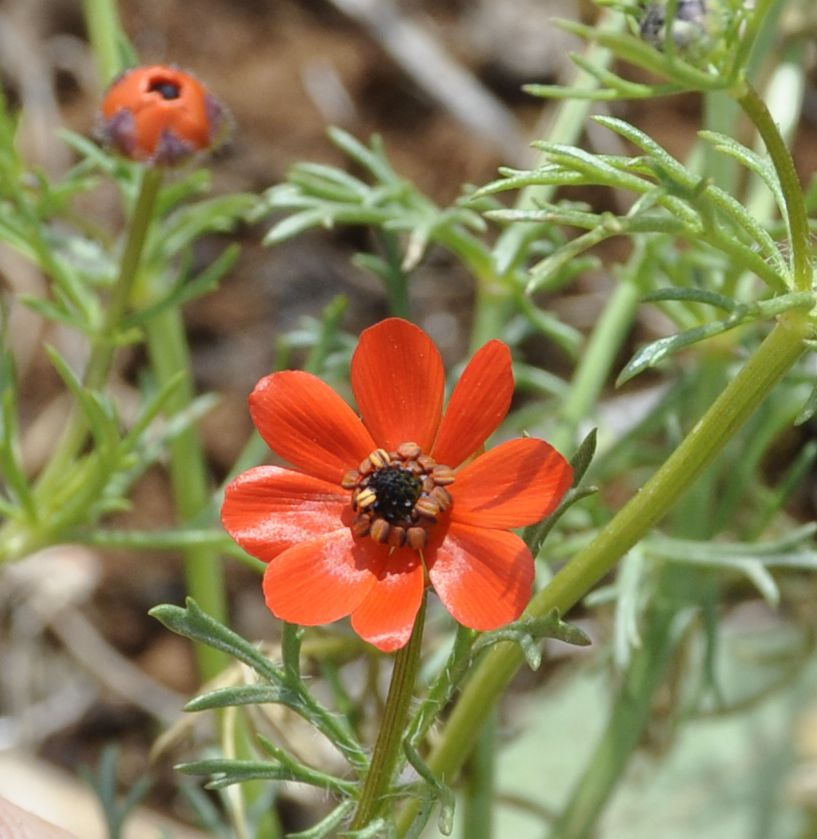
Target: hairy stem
{"type": "Point", "coordinates": [392, 728]}
{"type": "Point", "coordinates": [796, 213]}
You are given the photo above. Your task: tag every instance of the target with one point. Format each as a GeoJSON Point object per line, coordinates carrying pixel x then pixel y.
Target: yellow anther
{"type": "Point", "coordinates": [379, 458]}
{"type": "Point", "coordinates": [366, 498]}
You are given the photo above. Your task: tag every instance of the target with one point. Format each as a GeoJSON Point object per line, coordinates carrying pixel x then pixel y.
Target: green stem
{"type": "Point", "coordinates": [478, 788]}
{"type": "Point", "coordinates": [631, 713]}
{"type": "Point", "coordinates": [204, 573]}
{"type": "Point", "coordinates": [13, 540]}
{"type": "Point", "coordinates": [392, 728]}
{"type": "Point", "coordinates": [493, 294]}
{"type": "Point", "coordinates": [442, 688]}
{"type": "Point", "coordinates": [721, 113]}
{"type": "Point", "coordinates": [493, 307]}
{"type": "Point", "coordinates": [102, 353]}
{"type": "Point", "coordinates": [331, 319]}
{"type": "Point", "coordinates": [775, 356]}
{"type": "Point", "coordinates": [599, 355]}
{"type": "Point", "coordinates": [797, 215]}
{"type": "Point", "coordinates": [395, 278]}
{"type": "Point", "coordinates": [151, 182]}
{"type": "Point", "coordinates": [760, 25]}
{"type": "Point", "coordinates": [104, 33]}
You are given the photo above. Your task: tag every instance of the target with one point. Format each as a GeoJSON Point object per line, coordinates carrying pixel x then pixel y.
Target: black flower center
{"type": "Point", "coordinates": [165, 88]}
{"type": "Point", "coordinates": [399, 496]}
{"type": "Point", "coordinates": [396, 490]}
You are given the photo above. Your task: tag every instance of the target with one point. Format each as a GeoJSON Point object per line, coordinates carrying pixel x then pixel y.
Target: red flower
{"type": "Point", "coordinates": [376, 510]}
{"type": "Point", "coordinates": [160, 115]}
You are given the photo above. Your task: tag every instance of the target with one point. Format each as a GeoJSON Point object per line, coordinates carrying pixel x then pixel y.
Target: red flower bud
{"type": "Point", "coordinates": [161, 115]}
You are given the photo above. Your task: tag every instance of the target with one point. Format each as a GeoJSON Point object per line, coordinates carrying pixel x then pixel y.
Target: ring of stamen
{"type": "Point", "coordinates": [399, 496]}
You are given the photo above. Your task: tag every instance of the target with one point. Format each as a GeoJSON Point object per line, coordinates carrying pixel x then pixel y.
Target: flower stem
{"type": "Point", "coordinates": [395, 278]}
{"type": "Point", "coordinates": [744, 394]}
{"type": "Point", "coordinates": [204, 574]}
{"type": "Point", "coordinates": [796, 213]}
{"type": "Point", "coordinates": [478, 789]}
{"type": "Point", "coordinates": [102, 353]}
{"type": "Point", "coordinates": [598, 356]}
{"type": "Point", "coordinates": [105, 34]}
{"type": "Point", "coordinates": [623, 732]}
{"type": "Point", "coordinates": [393, 727]}
{"type": "Point", "coordinates": [15, 541]}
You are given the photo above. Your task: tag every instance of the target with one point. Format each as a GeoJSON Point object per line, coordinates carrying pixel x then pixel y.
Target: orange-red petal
{"type": "Point", "coordinates": [304, 421]}
{"type": "Point", "coordinates": [514, 484]}
{"type": "Point", "coordinates": [386, 617]}
{"type": "Point", "coordinates": [399, 383]}
{"type": "Point", "coordinates": [320, 581]}
{"type": "Point", "coordinates": [484, 577]}
{"type": "Point", "coordinates": [269, 509]}
{"type": "Point", "coordinates": [477, 406]}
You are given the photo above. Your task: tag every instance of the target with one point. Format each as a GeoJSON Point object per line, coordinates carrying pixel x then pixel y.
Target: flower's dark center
{"type": "Point", "coordinates": [165, 88]}
{"type": "Point", "coordinates": [396, 490]}
{"type": "Point", "coordinates": [399, 495]}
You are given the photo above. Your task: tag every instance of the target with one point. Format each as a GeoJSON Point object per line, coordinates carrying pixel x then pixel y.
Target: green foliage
{"type": "Point", "coordinates": [324, 196]}
{"type": "Point", "coordinates": [528, 631]}
{"type": "Point", "coordinates": [755, 560]}
{"type": "Point", "coordinates": [16, 487]}
{"type": "Point", "coordinates": [407, 223]}
{"type": "Point", "coordinates": [283, 685]}
{"type": "Point", "coordinates": [82, 265]}
{"type": "Point", "coordinates": [703, 47]}
{"type": "Point", "coordinates": [671, 200]}
{"type": "Point", "coordinates": [657, 351]}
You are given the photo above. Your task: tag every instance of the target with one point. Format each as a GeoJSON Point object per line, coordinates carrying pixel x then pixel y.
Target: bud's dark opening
{"type": "Point", "coordinates": [165, 88]}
